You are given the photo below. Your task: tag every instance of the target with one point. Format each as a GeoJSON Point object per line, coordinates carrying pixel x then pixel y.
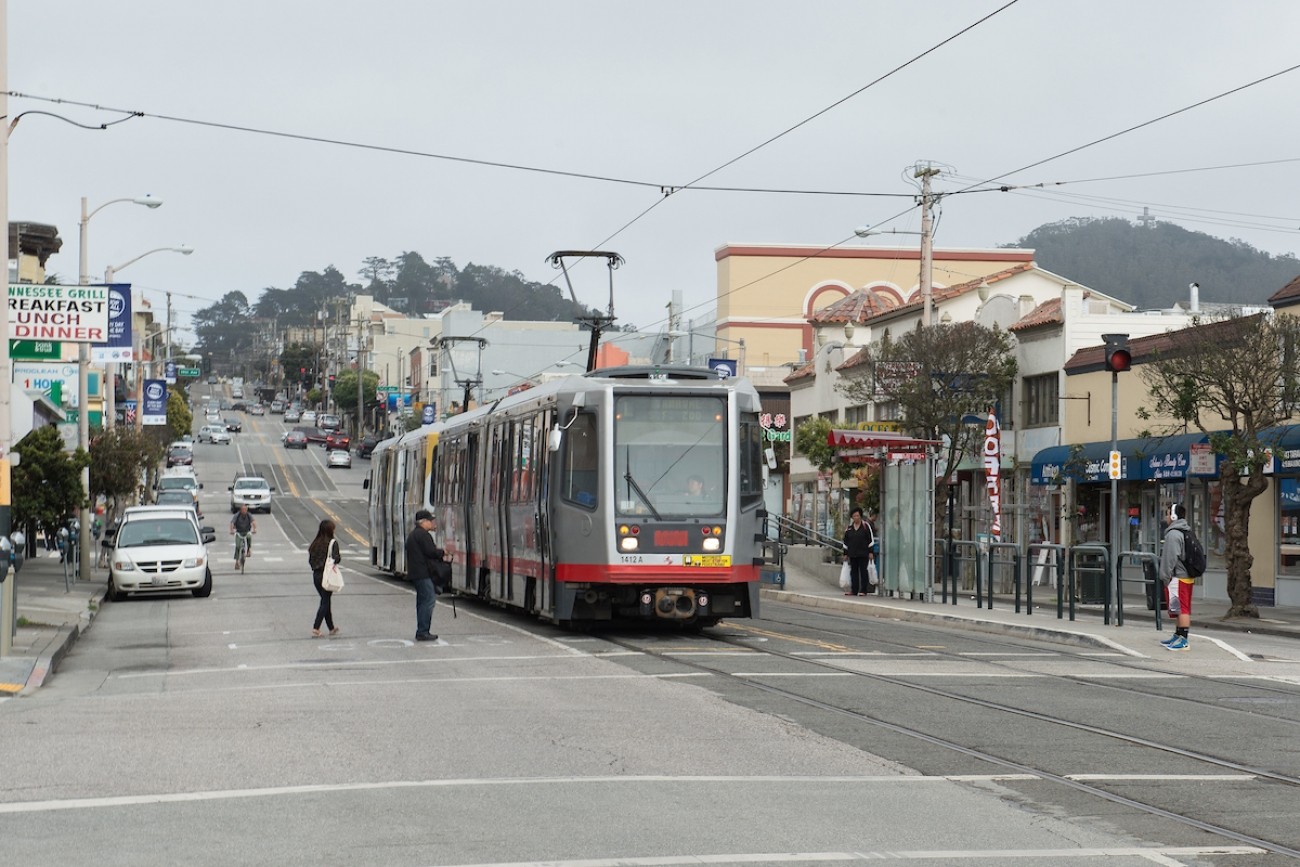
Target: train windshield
{"type": "Point", "coordinates": [670, 455]}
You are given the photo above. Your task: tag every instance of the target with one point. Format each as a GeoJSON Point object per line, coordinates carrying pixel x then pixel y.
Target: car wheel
{"type": "Point", "coordinates": [113, 594]}
{"type": "Point", "coordinates": [206, 590]}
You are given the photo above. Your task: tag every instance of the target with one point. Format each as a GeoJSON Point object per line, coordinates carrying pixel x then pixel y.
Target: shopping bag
{"type": "Point", "coordinates": [872, 575]}
{"type": "Point", "coordinates": [846, 576]}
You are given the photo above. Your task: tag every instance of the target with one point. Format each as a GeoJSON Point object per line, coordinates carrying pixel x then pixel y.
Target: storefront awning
{"type": "Point", "coordinates": [868, 439]}
{"type": "Point", "coordinates": [1171, 457]}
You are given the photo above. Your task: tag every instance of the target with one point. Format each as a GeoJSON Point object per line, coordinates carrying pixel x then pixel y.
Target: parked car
{"type": "Point", "coordinates": [257, 409]}
{"type": "Point", "coordinates": [180, 455]}
{"type": "Point", "coordinates": [214, 433]}
{"type": "Point", "coordinates": [212, 380]}
{"type": "Point", "coordinates": [292, 415]}
{"type": "Point", "coordinates": [180, 482]}
{"type": "Point", "coordinates": [233, 424]}
{"type": "Point", "coordinates": [277, 406]}
{"type": "Point", "coordinates": [179, 499]}
{"type": "Point", "coordinates": [328, 422]}
{"type": "Point", "coordinates": [368, 443]}
{"type": "Point", "coordinates": [159, 550]}
{"type": "Point", "coordinates": [337, 440]}
{"type": "Point", "coordinates": [309, 417]}
{"type": "Point", "coordinates": [251, 491]}
{"type": "Point", "coordinates": [295, 439]}
{"type": "Point", "coordinates": [338, 458]}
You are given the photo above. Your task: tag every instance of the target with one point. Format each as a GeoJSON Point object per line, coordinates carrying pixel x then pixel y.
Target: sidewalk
{"type": "Point", "coordinates": [50, 620]}
{"type": "Point", "coordinates": [815, 584]}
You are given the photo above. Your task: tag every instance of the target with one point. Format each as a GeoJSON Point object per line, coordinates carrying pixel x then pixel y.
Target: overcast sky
{"type": "Point", "coordinates": [659, 92]}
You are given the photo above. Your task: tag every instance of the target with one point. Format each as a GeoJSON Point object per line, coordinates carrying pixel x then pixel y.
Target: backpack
{"type": "Point", "coordinates": [1193, 555]}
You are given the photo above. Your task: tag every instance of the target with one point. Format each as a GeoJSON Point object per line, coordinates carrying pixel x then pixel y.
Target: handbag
{"type": "Point", "coordinates": [873, 577]}
{"type": "Point", "coordinates": [331, 578]}
{"type": "Point", "coordinates": [846, 576]}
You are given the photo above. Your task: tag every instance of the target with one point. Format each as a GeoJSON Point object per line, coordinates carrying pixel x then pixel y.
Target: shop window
{"type": "Point", "coordinates": [1288, 508]}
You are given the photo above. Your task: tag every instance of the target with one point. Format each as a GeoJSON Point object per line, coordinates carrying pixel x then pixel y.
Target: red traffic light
{"type": "Point", "coordinates": [1118, 357]}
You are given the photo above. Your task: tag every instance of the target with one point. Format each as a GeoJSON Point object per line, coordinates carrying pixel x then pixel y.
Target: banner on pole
{"type": "Point", "coordinates": [155, 402]}
{"type": "Point", "coordinates": [118, 349]}
{"type": "Point", "coordinates": [993, 472]}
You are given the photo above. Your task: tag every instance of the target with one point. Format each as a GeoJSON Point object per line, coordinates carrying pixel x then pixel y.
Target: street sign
{"type": "Point", "coordinates": [189, 371]}
{"type": "Point", "coordinates": [35, 350]}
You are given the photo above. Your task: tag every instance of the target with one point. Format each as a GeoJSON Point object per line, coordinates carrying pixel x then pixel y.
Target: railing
{"type": "Point", "coordinates": [1075, 569]}
{"type": "Point", "coordinates": [1055, 553]}
{"type": "Point", "coordinates": [1150, 578]}
{"type": "Point", "coordinates": [1014, 550]}
{"type": "Point", "coordinates": [791, 531]}
{"type": "Point", "coordinates": [955, 557]}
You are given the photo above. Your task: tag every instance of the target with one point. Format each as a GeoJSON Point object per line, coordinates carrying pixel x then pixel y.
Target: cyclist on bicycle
{"type": "Point", "coordinates": [245, 526]}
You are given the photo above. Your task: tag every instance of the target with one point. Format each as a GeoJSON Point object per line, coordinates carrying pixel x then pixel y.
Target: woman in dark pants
{"type": "Point", "coordinates": [317, 553]}
{"type": "Point", "coordinates": [858, 542]}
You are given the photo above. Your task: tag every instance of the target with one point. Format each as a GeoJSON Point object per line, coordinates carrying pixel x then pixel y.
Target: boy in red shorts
{"type": "Point", "coordinates": [1173, 571]}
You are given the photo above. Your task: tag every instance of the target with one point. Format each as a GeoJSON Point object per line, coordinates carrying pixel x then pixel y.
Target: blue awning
{"type": "Point", "coordinates": [1142, 459]}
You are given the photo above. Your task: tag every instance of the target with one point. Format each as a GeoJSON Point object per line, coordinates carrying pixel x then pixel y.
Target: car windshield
{"type": "Point", "coordinates": [254, 484]}
{"type": "Point", "coordinates": [176, 483]}
{"type": "Point", "coordinates": [174, 498]}
{"type": "Point", "coordinates": [157, 531]}
{"type": "Point", "coordinates": [670, 455]}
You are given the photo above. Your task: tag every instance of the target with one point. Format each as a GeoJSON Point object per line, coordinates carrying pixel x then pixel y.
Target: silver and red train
{"type": "Point", "coordinates": [621, 494]}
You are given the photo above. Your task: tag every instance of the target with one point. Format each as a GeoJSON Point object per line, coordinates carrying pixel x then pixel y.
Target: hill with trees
{"type": "Point", "coordinates": [1151, 266]}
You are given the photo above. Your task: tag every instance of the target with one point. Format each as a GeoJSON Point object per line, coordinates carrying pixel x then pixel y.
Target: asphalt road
{"type": "Point", "coordinates": [218, 731]}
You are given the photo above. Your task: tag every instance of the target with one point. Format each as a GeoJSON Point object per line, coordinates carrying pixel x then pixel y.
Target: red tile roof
{"type": "Point", "coordinates": [862, 356]}
{"type": "Point", "coordinates": [805, 372]}
{"type": "Point", "coordinates": [857, 307]}
{"type": "Point", "coordinates": [1288, 294]}
{"type": "Point", "coordinates": [944, 294]}
{"type": "Point", "coordinates": [1047, 313]}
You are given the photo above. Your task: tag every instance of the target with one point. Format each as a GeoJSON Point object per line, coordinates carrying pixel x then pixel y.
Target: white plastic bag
{"type": "Point", "coordinates": [872, 575]}
{"type": "Point", "coordinates": [846, 576]}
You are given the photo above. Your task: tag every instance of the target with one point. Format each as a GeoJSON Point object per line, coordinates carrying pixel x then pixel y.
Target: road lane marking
{"type": "Point", "coordinates": [292, 666]}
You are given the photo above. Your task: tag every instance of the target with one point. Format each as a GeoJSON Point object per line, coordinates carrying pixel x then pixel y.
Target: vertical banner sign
{"type": "Point", "coordinates": [155, 402]}
{"type": "Point", "coordinates": [118, 349]}
{"type": "Point", "coordinates": [993, 472]}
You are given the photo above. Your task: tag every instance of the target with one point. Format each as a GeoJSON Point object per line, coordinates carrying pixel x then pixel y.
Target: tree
{"type": "Point", "coordinates": [941, 377]}
{"type": "Point", "coordinates": [345, 391]}
{"type": "Point", "coordinates": [179, 418]}
{"type": "Point", "coordinates": [811, 440]}
{"type": "Point", "coordinates": [119, 458]}
{"type": "Point", "coordinates": [46, 484]}
{"type": "Point", "coordinates": [1243, 370]}
{"type": "Point", "coordinates": [226, 327]}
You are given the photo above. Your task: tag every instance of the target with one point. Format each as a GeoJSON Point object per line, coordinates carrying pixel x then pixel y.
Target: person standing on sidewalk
{"type": "Point", "coordinates": [421, 551]}
{"type": "Point", "coordinates": [1173, 572]}
{"type": "Point", "coordinates": [858, 542]}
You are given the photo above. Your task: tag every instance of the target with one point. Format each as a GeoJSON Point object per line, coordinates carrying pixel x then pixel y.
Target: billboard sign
{"type": "Point", "coordinates": [118, 349]}
{"type": "Point", "coordinates": [724, 368]}
{"type": "Point", "coordinates": [49, 377]}
{"type": "Point", "coordinates": [155, 402]}
{"type": "Point", "coordinates": [73, 314]}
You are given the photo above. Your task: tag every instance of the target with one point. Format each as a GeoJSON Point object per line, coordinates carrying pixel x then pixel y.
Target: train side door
{"type": "Point", "coordinates": [474, 560]}
{"type": "Point", "coordinates": [397, 518]}
{"type": "Point", "coordinates": [494, 519]}
{"type": "Point", "coordinates": [528, 528]}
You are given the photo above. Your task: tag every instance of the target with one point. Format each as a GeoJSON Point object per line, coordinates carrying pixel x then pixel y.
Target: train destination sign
{"type": "Point", "coordinates": [76, 314]}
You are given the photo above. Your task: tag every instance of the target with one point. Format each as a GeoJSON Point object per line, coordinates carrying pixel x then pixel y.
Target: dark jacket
{"type": "Point", "coordinates": [858, 540]}
{"type": "Point", "coordinates": [319, 550]}
{"type": "Point", "coordinates": [421, 551]}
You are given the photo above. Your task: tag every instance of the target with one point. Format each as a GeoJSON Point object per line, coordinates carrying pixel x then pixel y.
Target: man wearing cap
{"type": "Point", "coordinates": [420, 554]}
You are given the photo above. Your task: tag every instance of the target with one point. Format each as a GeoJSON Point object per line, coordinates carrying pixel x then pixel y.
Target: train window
{"type": "Point", "coordinates": [751, 458]}
{"type": "Point", "coordinates": [670, 455]}
{"type": "Point", "coordinates": [581, 461]}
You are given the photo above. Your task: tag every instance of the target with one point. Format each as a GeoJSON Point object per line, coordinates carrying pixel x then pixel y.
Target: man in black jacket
{"type": "Point", "coordinates": [421, 551]}
{"type": "Point", "coordinates": [858, 542]}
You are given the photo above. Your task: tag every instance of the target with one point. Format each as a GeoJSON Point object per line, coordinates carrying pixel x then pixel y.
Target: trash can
{"type": "Point", "coordinates": [1154, 587]}
{"type": "Point", "coordinates": [1091, 574]}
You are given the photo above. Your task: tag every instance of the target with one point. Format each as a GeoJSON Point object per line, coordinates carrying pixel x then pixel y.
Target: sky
{"type": "Point", "coordinates": [657, 93]}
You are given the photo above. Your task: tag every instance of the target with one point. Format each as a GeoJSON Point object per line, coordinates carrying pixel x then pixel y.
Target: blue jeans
{"type": "Point", "coordinates": [425, 598]}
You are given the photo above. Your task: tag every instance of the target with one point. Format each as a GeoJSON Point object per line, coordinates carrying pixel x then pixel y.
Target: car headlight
{"type": "Point", "coordinates": [124, 565]}
{"type": "Point", "coordinates": [192, 562]}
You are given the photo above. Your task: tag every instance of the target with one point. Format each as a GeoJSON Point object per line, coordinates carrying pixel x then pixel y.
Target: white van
{"type": "Point", "coordinates": [159, 550]}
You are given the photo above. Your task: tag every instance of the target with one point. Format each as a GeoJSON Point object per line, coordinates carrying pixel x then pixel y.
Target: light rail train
{"type": "Point", "coordinates": [621, 494]}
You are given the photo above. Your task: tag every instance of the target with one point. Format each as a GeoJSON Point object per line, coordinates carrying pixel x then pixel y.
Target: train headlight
{"type": "Point", "coordinates": [712, 543]}
{"type": "Point", "coordinates": [627, 543]}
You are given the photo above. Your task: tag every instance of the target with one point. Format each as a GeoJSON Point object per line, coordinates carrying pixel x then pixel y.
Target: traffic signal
{"type": "Point", "coordinates": [331, 382]}
{"type": "Point", "coordinates": [1116, 466]}
{"type": "Point", "coordinates": [1118, 357]}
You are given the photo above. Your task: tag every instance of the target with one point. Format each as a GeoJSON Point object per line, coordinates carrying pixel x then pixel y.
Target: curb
{"type": "Point", "coordinates": [66, 636]}
{"type": "Point", "coordinates": [958, 621]}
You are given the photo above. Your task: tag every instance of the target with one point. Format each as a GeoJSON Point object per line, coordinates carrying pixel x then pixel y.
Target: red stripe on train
{"type": "Point", "coordinates": [620, 573]}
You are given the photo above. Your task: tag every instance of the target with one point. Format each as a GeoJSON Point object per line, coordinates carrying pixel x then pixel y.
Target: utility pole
{"type": "Point", "coordinates": [7, 594]}
{"type": "Point", "coordinates": [361, 379]}
{"type": "Point", "coordinates": [927, 241]}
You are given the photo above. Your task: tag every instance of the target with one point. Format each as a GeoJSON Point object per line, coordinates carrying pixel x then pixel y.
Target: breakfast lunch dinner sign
{"type": "Point", "coordinates": [71, 314]}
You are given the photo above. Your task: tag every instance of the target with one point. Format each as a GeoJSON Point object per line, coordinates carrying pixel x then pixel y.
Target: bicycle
{"type": "Point", "coordinates": [243, 542]}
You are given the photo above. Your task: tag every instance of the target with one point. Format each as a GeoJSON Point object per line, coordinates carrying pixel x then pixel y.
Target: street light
{"type": "Point", "coordinates": [110, 368]}
{"type": "Point", "coordinates": [83, 361]}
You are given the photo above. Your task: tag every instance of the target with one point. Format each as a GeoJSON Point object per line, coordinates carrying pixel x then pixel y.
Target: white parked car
{"type": "Point", "coordinates": [308, 417]}
{"type": "Point", "coordinates": [252, 491]}
{"type": "Point", "coordinates": [214, 433]}
{"type": "Point", "coordinates": [158, 549]}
